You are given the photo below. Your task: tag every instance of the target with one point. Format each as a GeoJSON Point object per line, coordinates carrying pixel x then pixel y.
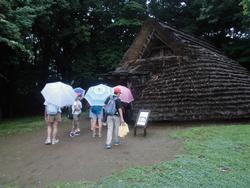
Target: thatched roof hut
{"type": "Point", "coordinates": [180, 77]}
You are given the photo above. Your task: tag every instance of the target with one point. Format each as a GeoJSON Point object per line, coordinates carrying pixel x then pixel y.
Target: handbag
{"type": "Point", "coordinates": [123, 130]}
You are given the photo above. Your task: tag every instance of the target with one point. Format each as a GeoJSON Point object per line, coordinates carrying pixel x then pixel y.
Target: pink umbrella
{"type": "Point", "coordinates": [126, 95]}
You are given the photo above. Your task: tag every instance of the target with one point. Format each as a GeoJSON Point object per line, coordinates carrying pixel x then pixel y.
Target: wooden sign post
{"type": "Point", "coordinates": [141, 121]}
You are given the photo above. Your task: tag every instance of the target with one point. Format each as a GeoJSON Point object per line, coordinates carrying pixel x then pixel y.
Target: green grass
{"type": "Point", "coordinates": [24, 125]}
{"type": "Point", "coordinates": [29, 124]}
{"type": "Point", "coordinates": [21, 125]}
{"type": "Point", "coordinates": [217, 156]}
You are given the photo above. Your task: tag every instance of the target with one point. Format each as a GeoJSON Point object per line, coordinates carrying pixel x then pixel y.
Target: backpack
{"type": "Point", "coordinates": [110, 107]}
{"type": "Point", "coordinates": [96, 109]}
{"type": "Point", "coordinates": [70, 113]}
{"type": "Point", "coordinates": [52, 109]}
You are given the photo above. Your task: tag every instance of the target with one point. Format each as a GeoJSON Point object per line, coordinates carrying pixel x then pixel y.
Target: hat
{"type": "Point", "coordinates": [117, 90]}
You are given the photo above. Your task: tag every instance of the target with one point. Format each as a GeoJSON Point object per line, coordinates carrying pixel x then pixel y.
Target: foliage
{"type": "Point", "coordinates": [173, 11]}
{"type": "Point", "coordinates": [246, 6]}
{"type": "Point", "coordinates": [44, 41]}
{"type": "Point", "coordinates": [240, 51]}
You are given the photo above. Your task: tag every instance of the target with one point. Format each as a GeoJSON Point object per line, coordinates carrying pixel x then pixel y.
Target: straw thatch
{"type": "Point", "coordinates": [180, 77]}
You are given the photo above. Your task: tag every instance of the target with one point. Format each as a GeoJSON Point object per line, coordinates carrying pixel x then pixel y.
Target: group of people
{"type": "Point", "coordinates": [112, 112]}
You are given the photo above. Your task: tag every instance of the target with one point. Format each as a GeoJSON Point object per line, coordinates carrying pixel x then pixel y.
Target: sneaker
{"type": "Point", "coordinates": [47, 141]}
{"type": "Point", "coordinates": [77, 133]}
{"type": "Point", "coordinates": [71, 134]}
{"type": "Point", "coordinates": [117, 143]}
{"type": "Point", "coordinates": [108, 146]}
{"type": "Point", "coordinates": [55, 141]}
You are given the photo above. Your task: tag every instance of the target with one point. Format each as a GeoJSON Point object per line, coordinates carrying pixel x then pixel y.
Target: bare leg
{"type": "Point", "coordinates": [78, 125]}
{"type": "Point", "coordinates": [100, 127]}
{"type": "Point", "coordinates": [93, 126]}
{"type": "Point", "coordinates": [73, 126]}
{"type": "Point", "coordinates": [55, 130]}
{"type": "Point", "coordinates": [49, 130]}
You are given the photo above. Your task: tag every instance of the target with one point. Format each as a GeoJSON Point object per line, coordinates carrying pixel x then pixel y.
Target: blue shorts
{"type": "Point", "coordinates": [95, 116]}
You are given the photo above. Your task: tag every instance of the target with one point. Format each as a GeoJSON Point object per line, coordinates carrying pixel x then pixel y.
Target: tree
{"type": "Point", "coordinates": [16, 20]}
{"type": "Point", "coordinates": [74, 41]}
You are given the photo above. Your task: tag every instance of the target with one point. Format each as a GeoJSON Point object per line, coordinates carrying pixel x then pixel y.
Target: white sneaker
{"type": "Point", "coordinates": [47, 141]}
{"type": "Point", "coordinates": [55, 141]}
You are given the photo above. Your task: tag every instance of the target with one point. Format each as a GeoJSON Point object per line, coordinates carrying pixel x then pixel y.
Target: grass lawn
{"type": "Point", "coordinates": [21, 125]}
{"type": "Point", "coordinates": [24, 125]}
{"type": "Point", "coordinates": [217, 156]}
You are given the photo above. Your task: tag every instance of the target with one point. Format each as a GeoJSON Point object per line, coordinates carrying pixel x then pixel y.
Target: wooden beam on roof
{"type": "Point", "coordinates": [146, 44]}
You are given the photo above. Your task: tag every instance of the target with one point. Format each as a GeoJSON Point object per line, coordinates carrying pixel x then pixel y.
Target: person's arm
{"type": "Point", "coordinates": [45, 114]}
{"type": "Point", "coordinates": [106, 101]}
{"type": "Point", "coordinates": [119, 106]}
{"type": "Point", "coordinates": [121, 115]}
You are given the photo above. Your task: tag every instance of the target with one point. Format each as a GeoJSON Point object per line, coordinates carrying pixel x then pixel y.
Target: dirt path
{"type": "Point", "coordinates": [26, 161]}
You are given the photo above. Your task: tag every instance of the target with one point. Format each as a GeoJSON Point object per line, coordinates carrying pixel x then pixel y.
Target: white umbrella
{"type": "Point", "coordinates": [96, 95]}
{"type": "Point", "coordinates": [59, 94]}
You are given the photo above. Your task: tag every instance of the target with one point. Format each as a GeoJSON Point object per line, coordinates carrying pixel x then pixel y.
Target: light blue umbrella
{"type": "Point", "coordinates": [96, 95]}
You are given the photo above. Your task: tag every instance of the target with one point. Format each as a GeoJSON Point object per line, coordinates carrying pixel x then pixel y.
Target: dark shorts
{"type": "Point", "coordinates": [54, 118]}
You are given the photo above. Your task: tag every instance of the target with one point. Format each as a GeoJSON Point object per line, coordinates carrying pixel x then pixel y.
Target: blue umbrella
{"type": "Point", "coordinates": [79, 90]}
{"type": "Point", "coordinates": [96, 95]}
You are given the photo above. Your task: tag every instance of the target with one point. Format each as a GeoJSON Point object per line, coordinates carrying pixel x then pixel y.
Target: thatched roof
{"type": "Point", "coordinates": [186, 78]}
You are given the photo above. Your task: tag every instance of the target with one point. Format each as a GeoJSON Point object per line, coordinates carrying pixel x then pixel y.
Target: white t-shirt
{"type": "Point", "coordinates": [76, 107]}
{"type": "Point", "coordinates": [46, 103]}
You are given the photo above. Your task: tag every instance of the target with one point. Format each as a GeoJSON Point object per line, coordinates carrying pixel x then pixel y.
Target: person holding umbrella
{"type": "Point", "coordinates": [96, 96]}
{"type": "Point", "coordinates": [76, 111]}
{"type": "Point", "coordinates": [113, 109]}
{"type": "Point", "coordinates": [56, 95]}
{"type": "Point", "coordinates": [126, 98]}
{"type": "Point", "coordinates": [96, 116]}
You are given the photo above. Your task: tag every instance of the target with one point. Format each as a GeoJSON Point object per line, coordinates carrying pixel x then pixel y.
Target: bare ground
{"type": "Point", "coordinates": [27, 162]}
